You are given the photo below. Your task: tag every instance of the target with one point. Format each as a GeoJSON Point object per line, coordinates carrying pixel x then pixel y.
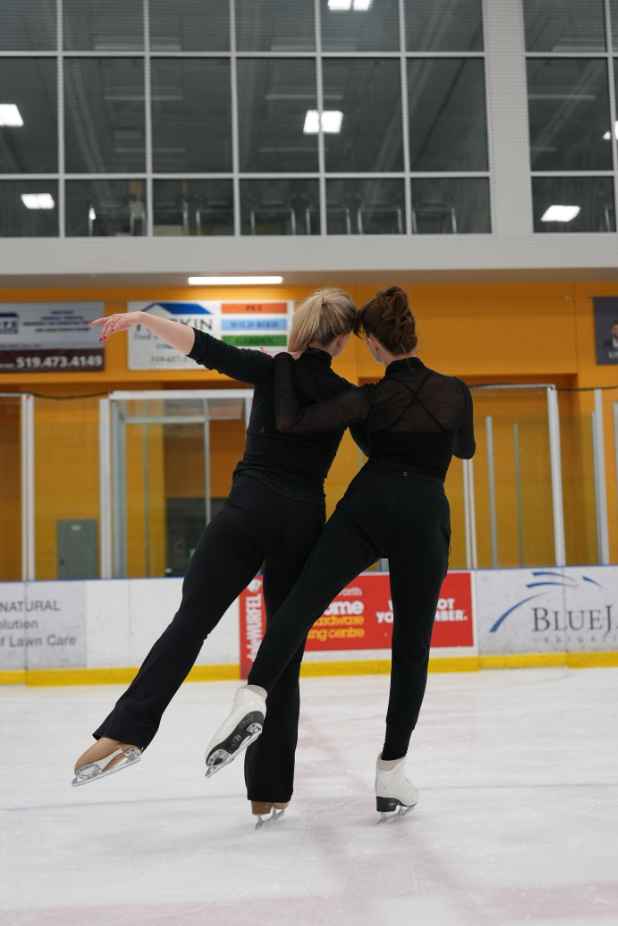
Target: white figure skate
{"type": "Point", "coordinates": [238, 731]}
{"type": "Point", "coordinates": [104, 758]}
{"type": "Point", "coordinates": [395, 794]}
{"type": "Point", "coordinates": [267, 811]}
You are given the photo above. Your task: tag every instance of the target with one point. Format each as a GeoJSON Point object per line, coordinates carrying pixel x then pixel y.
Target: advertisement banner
{"type": "Point", "coordinates": [50, 337]}
{"type": "Point", "coordinates": [243, 324]}
{"type": "Point", "coordinates": [547, 610]}
{"type": "Point", "coordinates": [606, 329]}
{"type": "Point", "coordinates": [361, 617]}
{"type": "Point", "coordinates": [42, 625]}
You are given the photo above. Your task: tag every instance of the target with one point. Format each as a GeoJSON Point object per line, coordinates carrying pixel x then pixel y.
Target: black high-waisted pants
{"type": "Point", "coordinates": [255, 526]}
{"type": "Point", "coordinates": [386, 512]}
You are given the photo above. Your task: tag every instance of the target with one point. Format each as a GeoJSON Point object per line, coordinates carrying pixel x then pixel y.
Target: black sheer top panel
{"type": "Point", "coordinates": [413, 416]}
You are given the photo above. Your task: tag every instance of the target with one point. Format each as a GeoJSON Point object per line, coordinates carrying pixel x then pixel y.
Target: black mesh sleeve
{"type": "Point", "coordinates": [348, 407]}
{"type": "Point", "coordinates": [360, 437]}
{"type": "Point", "coordinates": [246, 366]}
{"type": "Point", "coordinates": [465, 444]}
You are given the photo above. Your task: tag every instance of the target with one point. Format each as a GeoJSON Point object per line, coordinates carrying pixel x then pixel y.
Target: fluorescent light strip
{"type": "Point", "coordinates": [38, 200]}
{"type": "Point", "coordinates": [343, 5]}
{"type": "Point", "coordinates": [10, 115]}
{"type": "Point", "coordinates": [235, 281]}
{"type": "Point", "coordinates": [331, 122]}
{"type": "Point", "coordinates": [560, 213]}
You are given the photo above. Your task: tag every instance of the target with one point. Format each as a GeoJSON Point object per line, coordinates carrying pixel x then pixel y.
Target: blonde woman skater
{"type": "Point", "coordinates": [273, 516]}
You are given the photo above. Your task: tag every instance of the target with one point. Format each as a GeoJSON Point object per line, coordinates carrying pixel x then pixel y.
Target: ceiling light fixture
{"type": "Point", "coordinates": [342, 5]}
{"type": "Point", "coordinates": [10, 115]}
{"type": "Point", "coordinates": [560, 213]}
{"type": "Point", "coordinates": [607, 135]}
{"type": "Point", "coordinates": [331, 122]}
{"type": "Point", "coordinates": [235, 281]}
{"type": "Point", "coordinates": [38, 200]}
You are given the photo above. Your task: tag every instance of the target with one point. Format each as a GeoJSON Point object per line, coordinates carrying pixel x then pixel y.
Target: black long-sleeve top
{"type": "Point", "coordinates": [414, 416]}
{"type": "Point", "coordinates": [294, 465]}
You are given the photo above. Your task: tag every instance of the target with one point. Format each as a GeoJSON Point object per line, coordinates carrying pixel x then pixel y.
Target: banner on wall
{"type": "Point", "coordinates": [547, 610]}
{"type": "Point", "coordinates": [42, 625]}
{"type": "Point", "coordinates": [361, 617]}
{"type": "Point", "coordinates": [50, 337]}
{"type": "Point", "coordinates": [243, 324]}
{"type": "Point", "coordinates": [606, 329]}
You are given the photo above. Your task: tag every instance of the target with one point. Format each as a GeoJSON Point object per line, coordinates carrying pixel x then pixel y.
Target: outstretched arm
{"type": "Point", "coordinates": [246, 366]}
{"type": "Point", "coordinates": [345, 409]}
{"type": "Point", "coordinates": [181, 337]}
{"type": "Point", "coordinates": [465, 444]}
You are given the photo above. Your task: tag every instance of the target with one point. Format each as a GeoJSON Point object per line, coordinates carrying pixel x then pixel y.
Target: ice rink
{"type": "Point", "coordinates": [517, 820]}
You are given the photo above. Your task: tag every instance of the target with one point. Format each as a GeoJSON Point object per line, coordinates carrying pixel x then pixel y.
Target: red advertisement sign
{"type": "Point", "coordinates": [361, 617]}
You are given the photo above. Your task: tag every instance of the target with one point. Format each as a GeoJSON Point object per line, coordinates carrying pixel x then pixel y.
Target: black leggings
{"type": "Point", "coordinates": [255, 527]}
{"type": "Point", "coordinates": [385, 512]}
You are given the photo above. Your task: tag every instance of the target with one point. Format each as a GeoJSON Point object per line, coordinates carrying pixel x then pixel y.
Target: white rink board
{"type": "Point", "coordinates": [547, 610]}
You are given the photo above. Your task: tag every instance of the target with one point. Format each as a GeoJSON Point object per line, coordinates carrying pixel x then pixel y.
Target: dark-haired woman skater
{"type": "Point", "coordinates": [395, 507]}
{"type": "Point", "coordinates": [273, 516]}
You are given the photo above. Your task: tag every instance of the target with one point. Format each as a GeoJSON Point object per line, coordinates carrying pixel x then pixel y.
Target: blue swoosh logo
{"type": "Point", "coordinates": [510, 611]}
{"type": "Point", "coordinates": [179, 308]}
{"type": "Point", "coordinates": [586, 579]}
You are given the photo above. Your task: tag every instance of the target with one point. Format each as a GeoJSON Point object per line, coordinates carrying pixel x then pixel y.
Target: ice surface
{"type": "Point", "coordinates": [517, 821]}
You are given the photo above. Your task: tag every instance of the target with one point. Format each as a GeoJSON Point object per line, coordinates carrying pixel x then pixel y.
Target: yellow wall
{"type": "Point", "coordinates": [537, 332]}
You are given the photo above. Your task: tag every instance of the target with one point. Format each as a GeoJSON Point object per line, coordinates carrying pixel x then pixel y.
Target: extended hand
{"type": "Point", "coordinates": [114, 323]}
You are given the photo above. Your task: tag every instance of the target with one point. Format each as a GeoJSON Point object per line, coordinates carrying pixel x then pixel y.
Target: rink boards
{"type": "Point", "coordinates": [99, 631]}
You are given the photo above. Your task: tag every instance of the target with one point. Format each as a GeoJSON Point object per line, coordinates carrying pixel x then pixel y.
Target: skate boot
{"type": "Point", "coordinates": [265, 811]}
{"type": "Point", "coordinates": [395, 794]}
{"type": "Point", "coordinates": [238, 731]}
{"type": "Point", "coordinates": [104, 758]}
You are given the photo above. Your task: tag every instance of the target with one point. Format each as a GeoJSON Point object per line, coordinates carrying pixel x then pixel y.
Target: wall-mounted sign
{"type": "Point", "coordinates": [42, 625]}
{"type": "Point", "coordinates": [244, 324]}
{"type": "Point", "coordinates": [606, 329]}
{"type": "Point", "coordinates": [50, 337]}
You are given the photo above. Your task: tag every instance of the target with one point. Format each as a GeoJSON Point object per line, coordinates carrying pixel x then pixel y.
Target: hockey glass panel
{"type": "Point", "coordinates": [189, 25]}
{"type": "Point", "coordinates": [28, 208]}
{"type": "Point", "coordinates": [360, 25]}
{"type": "Point", "coordinates": [444, 25]}
{"type": "Point", "coordinates": [29, 133]}
{"type": "Point", "coordinates": [105, 208]}
{"type": "Point", "coordinates": [280, 207]}
{"type": "Point", "coordinates": [115, 25]}
{"type": "Point", "coordinates": [28, 25]}
{"type": "Point", "coordinates": [365, 207]}
{"type": "Point", "coordinates": [450, 206]}
{"type": "Point", "coordinates": [579, 475]}
{"type": "Point", "coordinates": [10, 490]}
{"type": "Point", "coordinates": [568, 111]}
{"type": "Point", "coordinates": [573, 204]}
{"type": "Point", "coordinates": [193, 207]}
{"type": "Point", "coordinates": [275, 25]}
{"type": "Point", "coordinates": [362, 115]}
{"type": "Point", "coordinates": [274, 97]}
{"type": "Point", "coordinates": [447, 115]}
{"type": "Point", "coordinates": [565, 26]}
{"type": "Point", "coordinates": [104, 115]}
{"type": "Point", "coordinates": [191, 115]}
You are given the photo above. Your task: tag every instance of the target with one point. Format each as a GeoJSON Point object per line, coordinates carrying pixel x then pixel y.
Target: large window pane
{"type": "Point", "coordinates": [365, 207]}
{"type": "Point", "coordinates": [367, 94]}
{"type": "Point", "coordinates": [349, 26]}
{"type": "Point", "coordinates": [28, 208]}
{"type": "Point", "coordinates": [103, 208]}
{"type": "Point", "coordinates": [189, 25]}
{"type": "Point", "coordinates": [573, 204]}
{"type": "Point", "coordinates": [29, 136]}
{"type": "Point", "coordinates": [191, 124]}
{"type": "Point", "coordinates": [444, 25]}
{"type": "Point", "coordinates": [274, 98]}
{"type": "Point", "coordinates": [568, 108]}
{"type": "Point", "coordinates": [27, 25]}
{"type": "Point", "coordinates": [564, 25]}
{"type": "Point", "coordinates": [275, 25]}
{"type": "Point", "coordinates": [104, 115]}
{"type": "Point", "coordinates": [193, 207]}
{"type": "Point", "coordinates": [280, 207]}
{"type": "Point", "coordinates": [450, 206]}
{"type": "Point", "coordinates": [103, 25]}
{"type": "Point", "coordinates": [448, 123]}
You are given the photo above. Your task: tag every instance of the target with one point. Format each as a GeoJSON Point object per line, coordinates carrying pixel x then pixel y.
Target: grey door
{"type": "Point", "coordinates": [78, 553]}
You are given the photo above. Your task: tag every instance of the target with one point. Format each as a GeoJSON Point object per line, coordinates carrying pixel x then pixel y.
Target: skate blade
{"type": "Point", "coordinates": [92, 772]}
{"type": "Point", "coordinates": [400, 812]}
{"type": "Point", "coordinates": [222, 756]}
{"type": "Point", "coordinates": [272, 816]}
